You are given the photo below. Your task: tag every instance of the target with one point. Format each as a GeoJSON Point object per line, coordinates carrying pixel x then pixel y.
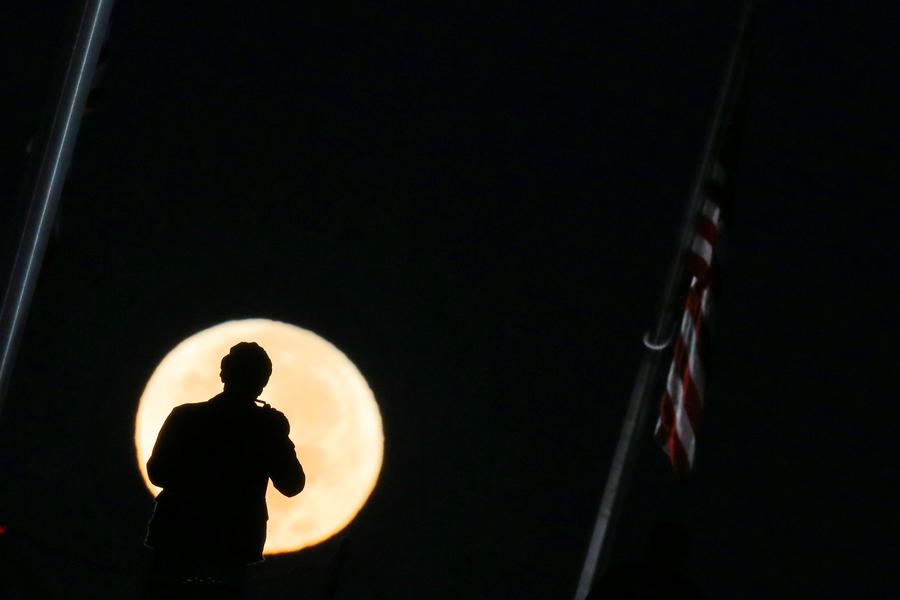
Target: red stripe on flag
{"type": "Point", "coordinates": [707, 229]}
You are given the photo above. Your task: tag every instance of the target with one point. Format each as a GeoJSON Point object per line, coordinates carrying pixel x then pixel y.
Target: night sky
{"type": "Point", "coordinates": [478, 205]}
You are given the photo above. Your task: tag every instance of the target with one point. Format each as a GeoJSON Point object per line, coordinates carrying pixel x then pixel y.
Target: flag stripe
{"type": "Point", "coordinates": [703, 249]}
{"type": "Point", "coordinates": [710, 209]}
{"type": "Point", "coordinates": [707, 230]}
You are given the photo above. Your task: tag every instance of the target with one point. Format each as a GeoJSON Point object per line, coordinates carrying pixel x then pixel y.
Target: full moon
{"type": "Point", "coordinates": [335, 422]}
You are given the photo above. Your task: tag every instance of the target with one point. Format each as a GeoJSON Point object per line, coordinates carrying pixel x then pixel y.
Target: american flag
{"type": "Point", "coordinates": [682, 400]}
{"type": "Point", "coordinates": [683, 397]}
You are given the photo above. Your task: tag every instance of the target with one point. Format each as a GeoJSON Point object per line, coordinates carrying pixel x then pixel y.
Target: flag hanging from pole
{"type": "Point", "coordinates": [682, 401]}
{"type": "Point", "coordinates": [681, 406]}
{"type": "Point", "coordinates": [689, 284]}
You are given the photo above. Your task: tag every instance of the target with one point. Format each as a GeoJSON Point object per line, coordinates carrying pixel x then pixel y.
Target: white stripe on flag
{"type": "Point", "coordinates": [711, 211]}
{"type": "Point", "coordinates": [696, 370]}
{"type": "Point", "coordinates": [702, 248]}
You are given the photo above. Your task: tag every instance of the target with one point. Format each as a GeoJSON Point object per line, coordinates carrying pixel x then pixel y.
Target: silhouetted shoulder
{"type": "Point", "coordinates": [180, 416]}
{"type": "Point", "coordinates": [275, 419]}
{"type": "Point", "coordinates": [189, 408]}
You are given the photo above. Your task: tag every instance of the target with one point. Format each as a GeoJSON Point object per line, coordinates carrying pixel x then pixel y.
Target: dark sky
{"type": "Point", "coordinates": [478, 204]}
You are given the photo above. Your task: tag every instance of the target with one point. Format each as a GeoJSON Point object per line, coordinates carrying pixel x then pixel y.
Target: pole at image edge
{"type": "Point", "coordinates": [44, 192]}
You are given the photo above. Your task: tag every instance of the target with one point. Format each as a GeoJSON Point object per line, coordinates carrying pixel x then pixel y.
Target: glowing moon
{"type": "Point", "coordinates": [335, 422]}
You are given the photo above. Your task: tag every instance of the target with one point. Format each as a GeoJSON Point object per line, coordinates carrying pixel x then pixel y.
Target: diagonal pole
{"type": "Point", "coordinates": [621, 469]}
{"type": "Point", "coordinates": [45, 191]}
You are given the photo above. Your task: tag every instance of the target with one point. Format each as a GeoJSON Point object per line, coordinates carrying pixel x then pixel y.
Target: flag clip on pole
{"type": "Point", "coordinates": [621, 468]}
{"type": "Point", "coordinates": [43, 195]}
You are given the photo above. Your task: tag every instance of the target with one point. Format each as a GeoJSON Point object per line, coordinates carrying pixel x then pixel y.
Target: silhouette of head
{"type": "Point", "coordinates": [246, 369]}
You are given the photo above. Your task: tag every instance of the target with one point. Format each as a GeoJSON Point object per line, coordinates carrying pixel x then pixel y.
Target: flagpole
{"type": "Point", "coordinates": [44, 193]}
{"type": "Point", "coordinates": [622, 466]}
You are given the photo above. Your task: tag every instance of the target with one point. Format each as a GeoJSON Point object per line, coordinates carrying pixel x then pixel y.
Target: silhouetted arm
{"type": "Point", "coordinates": [285, 471]}
{"type": "Point", "coordinates": [166, 461]}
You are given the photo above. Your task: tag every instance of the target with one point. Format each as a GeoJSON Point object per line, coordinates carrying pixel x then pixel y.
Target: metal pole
{"type": "Point", "coordinates": [48, 183]}
{"type": "Point", "coordinates": [620, 470]}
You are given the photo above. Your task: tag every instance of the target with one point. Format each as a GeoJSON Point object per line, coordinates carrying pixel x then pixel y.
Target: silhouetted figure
{"type": "Point", "coordinates": [214, 460]}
